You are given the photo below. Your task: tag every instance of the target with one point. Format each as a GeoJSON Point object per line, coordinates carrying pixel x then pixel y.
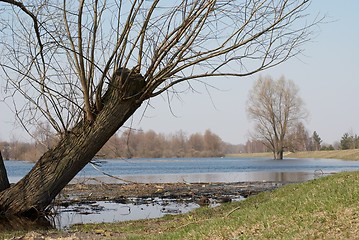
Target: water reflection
{"type": "Point", "coordinates": [102, 211]}
{"type": "Point", "coordinates": [96, 212]}
{"type": "Point", "coordinates": [208, 177]}
{"type": "Point", "coordinates": [203, 169]}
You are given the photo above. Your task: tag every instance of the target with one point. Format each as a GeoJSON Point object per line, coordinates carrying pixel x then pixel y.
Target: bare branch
{"type": "Point", "coordinates": [84, 43]}
{"type": "Point", "coordinates": [277, 109]}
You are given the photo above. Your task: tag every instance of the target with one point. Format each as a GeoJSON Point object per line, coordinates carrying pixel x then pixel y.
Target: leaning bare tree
{"type": "Point", "coordinates": [277, 108]}
{"type": "Point", "coordinates": [86, 67]}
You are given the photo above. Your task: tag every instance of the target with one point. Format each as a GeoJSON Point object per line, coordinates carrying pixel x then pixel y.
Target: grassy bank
{"type": "Point", "coordinates": [351, 154]}
{"type": "Point", "coordinates": [326, 208]}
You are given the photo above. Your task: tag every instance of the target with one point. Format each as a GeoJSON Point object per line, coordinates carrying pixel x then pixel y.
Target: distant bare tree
{"type": "Point", "coordinates": [213, 144]}
{"type": "Point", "coordinates": [195, 144]}
{"type": "Point", "coordinates": [298, 138]}
{"type": "Point", "coordinates": [255, 146]}
{"type": "Point", "coordinates": [178, 144]}
{"type": "Point", "coordinates": [86, 66]}
{"type": "Point", "coordinates": [276, 107]}
{"type": "Point", "coordinates": [151, 145]}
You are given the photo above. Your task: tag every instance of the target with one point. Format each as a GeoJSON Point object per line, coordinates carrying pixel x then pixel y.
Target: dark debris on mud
{"type": "Point", "coordinates": [194, 192]}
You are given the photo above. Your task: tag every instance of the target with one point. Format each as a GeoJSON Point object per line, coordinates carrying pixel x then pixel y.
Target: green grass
{"type": "Point", "coordinates": [326, 208]}
{"type": "Point", "coordinates": [6, 234]}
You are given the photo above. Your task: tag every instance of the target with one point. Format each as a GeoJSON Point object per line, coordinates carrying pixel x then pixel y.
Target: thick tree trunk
{"type": "Point", "coordinates": [278, 154]}
{"type": "Point", "coordinates": [32, 194]}
{"type": "Point", "coordinates": [4, 181]}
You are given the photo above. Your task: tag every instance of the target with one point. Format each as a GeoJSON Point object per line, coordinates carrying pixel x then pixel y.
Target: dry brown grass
{"type": "Point", "coordinates": [351, 154]}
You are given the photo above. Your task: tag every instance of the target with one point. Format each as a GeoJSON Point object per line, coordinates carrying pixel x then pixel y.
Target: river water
{"type": "Point", "coordinates": [190, 170]}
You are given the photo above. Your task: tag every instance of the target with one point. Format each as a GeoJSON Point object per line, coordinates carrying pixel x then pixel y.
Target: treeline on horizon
{"type": "Point", "coordinates": [133, 144]}
{"type": "Point", "coordinates": [149, 144]}
{"type": "Point", "coordinates": [300, 141]}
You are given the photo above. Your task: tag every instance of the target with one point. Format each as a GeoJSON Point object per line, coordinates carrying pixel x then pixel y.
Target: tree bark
{"type": "Point", "coordinates": [54, 170]}
{"type": "Point", "coordinates": [278, 154]}
{"type": "Point", "coordinates": [4, 181]}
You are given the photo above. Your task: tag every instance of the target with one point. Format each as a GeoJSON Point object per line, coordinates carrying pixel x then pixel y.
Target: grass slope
{"type": "Point", "coordinates": [326, 208]}
{"type": "Point", "coordinates": [350, 154]}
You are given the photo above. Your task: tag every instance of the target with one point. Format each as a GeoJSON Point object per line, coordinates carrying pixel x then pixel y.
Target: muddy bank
{"type": "Point", "coordinates": [81, 195]}
{"type": "Point", "coordinates": [195, 192]}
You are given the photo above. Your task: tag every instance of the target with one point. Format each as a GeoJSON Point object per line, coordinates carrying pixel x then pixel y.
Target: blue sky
{"type": "Point", "coordinates": [327, 76]}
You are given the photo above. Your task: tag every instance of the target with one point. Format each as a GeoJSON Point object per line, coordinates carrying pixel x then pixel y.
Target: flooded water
{"type": "Point", "coordinates": [201, 169]}
{"type": "Point", "coordinates": [103, 211]}
{"type": "Point", "coordinates": [189, 170]}
{"type": "Point", "coordinates": [99, 212]}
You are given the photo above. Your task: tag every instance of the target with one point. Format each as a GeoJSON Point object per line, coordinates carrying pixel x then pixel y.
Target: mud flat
{"type": "Point", "coordinates": [217, 192]}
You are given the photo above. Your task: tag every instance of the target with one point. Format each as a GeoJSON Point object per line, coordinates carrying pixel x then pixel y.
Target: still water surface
{"type": "Point", "coordinates": [189, 170]}
{"type": "Point", "coordinates": [201, 169]}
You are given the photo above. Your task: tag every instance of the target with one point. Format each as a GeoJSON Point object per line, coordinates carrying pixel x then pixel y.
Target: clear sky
{"type": "Point", "coordinates": [327, 76]}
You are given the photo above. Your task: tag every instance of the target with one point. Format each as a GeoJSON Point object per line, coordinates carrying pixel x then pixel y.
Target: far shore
{"type": "Point", "coordinates": [350, 154]}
